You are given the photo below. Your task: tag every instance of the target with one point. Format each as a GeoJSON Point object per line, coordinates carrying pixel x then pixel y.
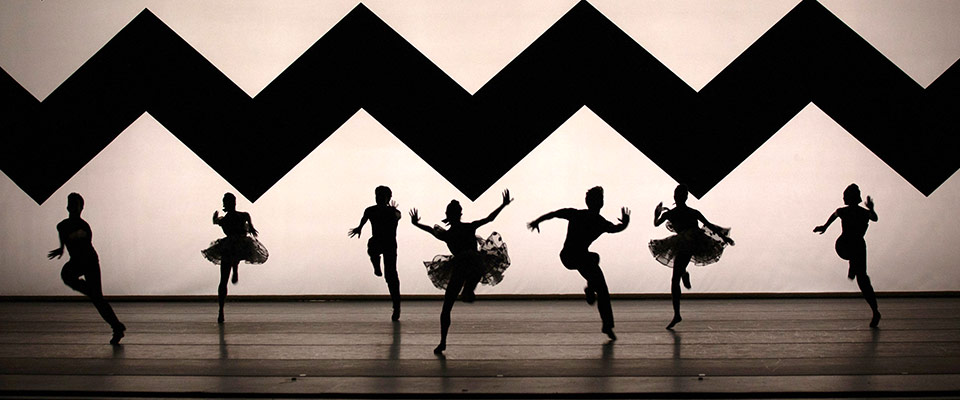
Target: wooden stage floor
{"type": "Point", "coordinates": [754, 348]}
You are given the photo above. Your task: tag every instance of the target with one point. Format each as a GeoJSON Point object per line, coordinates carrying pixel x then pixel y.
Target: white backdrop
{"type": "Point", "coordinates": [149, 198]}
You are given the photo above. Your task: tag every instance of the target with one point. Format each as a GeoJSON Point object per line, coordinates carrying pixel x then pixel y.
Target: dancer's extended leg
{"type": "Point", "coordinates": [225, 268]}
{"type": "Point", "coordinates": [679, 269]}
{"type": "Point", "coordinates": [449, 297]}
{"type": "Point", "coordinates": [393, 282]}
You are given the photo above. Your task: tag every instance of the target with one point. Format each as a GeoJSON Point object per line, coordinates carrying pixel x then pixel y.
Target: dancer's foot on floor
{"type": "Point", "coordinates": [377, 271]}
{"type": "Point", "coordinates": [609, 332]}
{"type": "Point", "coordinates": [396, 314]}
{"type": "Point", "coordinates": [468, 297]}
{"type": "Point", "coordinates": [117, 335]}
{"type": "Point", "coordinates": [220, 318]}
{"type": "Point", "coordinates": [875, 322]}
{"type": "Point", "coordinates": [676, 320]}
{"type": "Point", "coordinates": [440, 348]}
{"type": "Point", "coordinates": [591, 295]}
{"type": "Point", "coordinates": [686, 279]}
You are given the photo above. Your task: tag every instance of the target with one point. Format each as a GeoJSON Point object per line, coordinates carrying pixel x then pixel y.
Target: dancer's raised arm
{"type": "Point", "coordinates": [624, 221]}
{"type": "Point", "coordinates": [493, 215]}
{"type": "Point", "coordinates": [415, 220]}
{"type": "Point", "coordinates": [873, 214]}
{"type": "Point", "coordinates": [659, 214]}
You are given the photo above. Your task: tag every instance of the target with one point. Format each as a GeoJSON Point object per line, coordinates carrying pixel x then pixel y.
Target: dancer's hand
{"type": "Point", "coordinates": [354, 232]}
{"type": "Point", "coordinates": [534, 226]}
{"type": "Point", "coordinates": [624, 215]}
{"type": "Point", "coordinates": [506, 197]}
{"type": "Point", "coordinates": [254, 232]}
{"type": "Point", "coordinates": [729, 241]}
{"type": "Point", "coordinates": [870, 203]}
{"type": "Point", "coordinates": [414, 216]}
{"type": "Point", "coordinates": [55, 253]}
{"type": "Point", "coordinates": [820, 229]}
{"type": "Point", "coordinates": [393, 204]}
{"type": "Point", "coordinates": [660, 210]}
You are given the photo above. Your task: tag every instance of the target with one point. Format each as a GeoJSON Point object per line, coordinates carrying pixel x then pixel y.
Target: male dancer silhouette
{"type": "Point", "coordinates": [76, 235]}
{"type": "Point", "coordinates": [584, 227]}
{"type": "Point", "coordinates": [384, 218]}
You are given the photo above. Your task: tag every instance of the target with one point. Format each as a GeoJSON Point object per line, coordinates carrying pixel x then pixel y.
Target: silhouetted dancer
{"type": "Point", "coordinates": [384, 218]}
{"type": "Point", "coordinates": [691, 243]}
{"type": "Point", "coordinates": [850, 245]}
{"type": "Point", "coordinates": [459, 273]}
{"type": "Point", "coordinates": [584, 227]}
{"type": "Point", "coordinates": [76, 235]}
{"type": "Point", "coordinates": [235, 247]}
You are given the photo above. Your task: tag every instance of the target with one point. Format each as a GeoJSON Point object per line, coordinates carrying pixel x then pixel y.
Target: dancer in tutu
{"type": "Point", "coordinates": [691, 243]}
{"type": "Point", "coordinates": [460, 272]}
{"type": "Point", "coordinates": [850, 245]}
{"type": "Point", "coordinates": [384, 217]}
{"type": "Point", "coordinates": [76, 236]}
{"type": "Point", "coordinates": [236, 247]}
{"type": "Point", "coordinates": [584, 228]}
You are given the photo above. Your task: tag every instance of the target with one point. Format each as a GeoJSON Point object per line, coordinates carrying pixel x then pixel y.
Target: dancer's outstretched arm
{"type": "Point", "coordinates": [823, 228]}
{"type": "Point", "coordinates": [493, 215]}
{"type": "Point", "coordinates": [561, 213]}
{"type": "Point", "coordinates": [624, 221]}
{"type": "Point", "coordinates": [356, 231]}
{"type": "Point", "coordinates": [716, 229]}
{"type": "Point", "coordinates": [415, 220]}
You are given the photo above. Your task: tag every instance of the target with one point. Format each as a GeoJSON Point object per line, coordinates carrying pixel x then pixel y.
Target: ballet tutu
{"type": "Point", "coordinates": [490, 263]}
{"type": "Point", "coordinates": [242, 248]}
{"type": "Point", "coordinates": [704, 246]}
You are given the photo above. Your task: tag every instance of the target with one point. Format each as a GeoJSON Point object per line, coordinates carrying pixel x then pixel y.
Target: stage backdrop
{"type": "Point", "coordinates": [149, 197]}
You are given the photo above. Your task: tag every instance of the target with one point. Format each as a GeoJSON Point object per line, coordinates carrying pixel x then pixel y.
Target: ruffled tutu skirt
{"type": "Point", "coordinates": [241, 248]}
{"type": "Point", "coordinates": [490, 264]}
{"type": "Point", "coordinates": [704, 246]}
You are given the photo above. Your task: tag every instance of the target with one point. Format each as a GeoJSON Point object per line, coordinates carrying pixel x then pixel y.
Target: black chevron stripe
{"type": "Point", "coordinates": [583, 59]}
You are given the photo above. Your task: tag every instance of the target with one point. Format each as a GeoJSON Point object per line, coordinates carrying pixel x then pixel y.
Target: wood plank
{"type": "Point", "coordinates": [456, 367]}
{"type": "Point", "coordinates": [458, 350]}
{"type": "Point", "coordinates": [544, 339]}
{"type": "Point", "coordinates": [492, 326]}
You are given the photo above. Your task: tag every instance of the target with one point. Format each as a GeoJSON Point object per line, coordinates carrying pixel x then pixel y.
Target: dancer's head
{"type": "Point", "coordinates": [680, 194]}
{"type": "Point", "coordinates": [454, 212]}
{"type": "Point", "coordinates": [594, 198]}
{"type": "Point", "coordinates": [383, 195]}
{"type": "Point", "coordinates": [74, 203]}
{"type": "Point", "coordinates": [229, 202]}
{"type": "Point", "coordinates": [851, 195]}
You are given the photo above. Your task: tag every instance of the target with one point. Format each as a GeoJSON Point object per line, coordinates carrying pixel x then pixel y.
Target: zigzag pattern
{"type": "Point", "coordinates": [583, 59]}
